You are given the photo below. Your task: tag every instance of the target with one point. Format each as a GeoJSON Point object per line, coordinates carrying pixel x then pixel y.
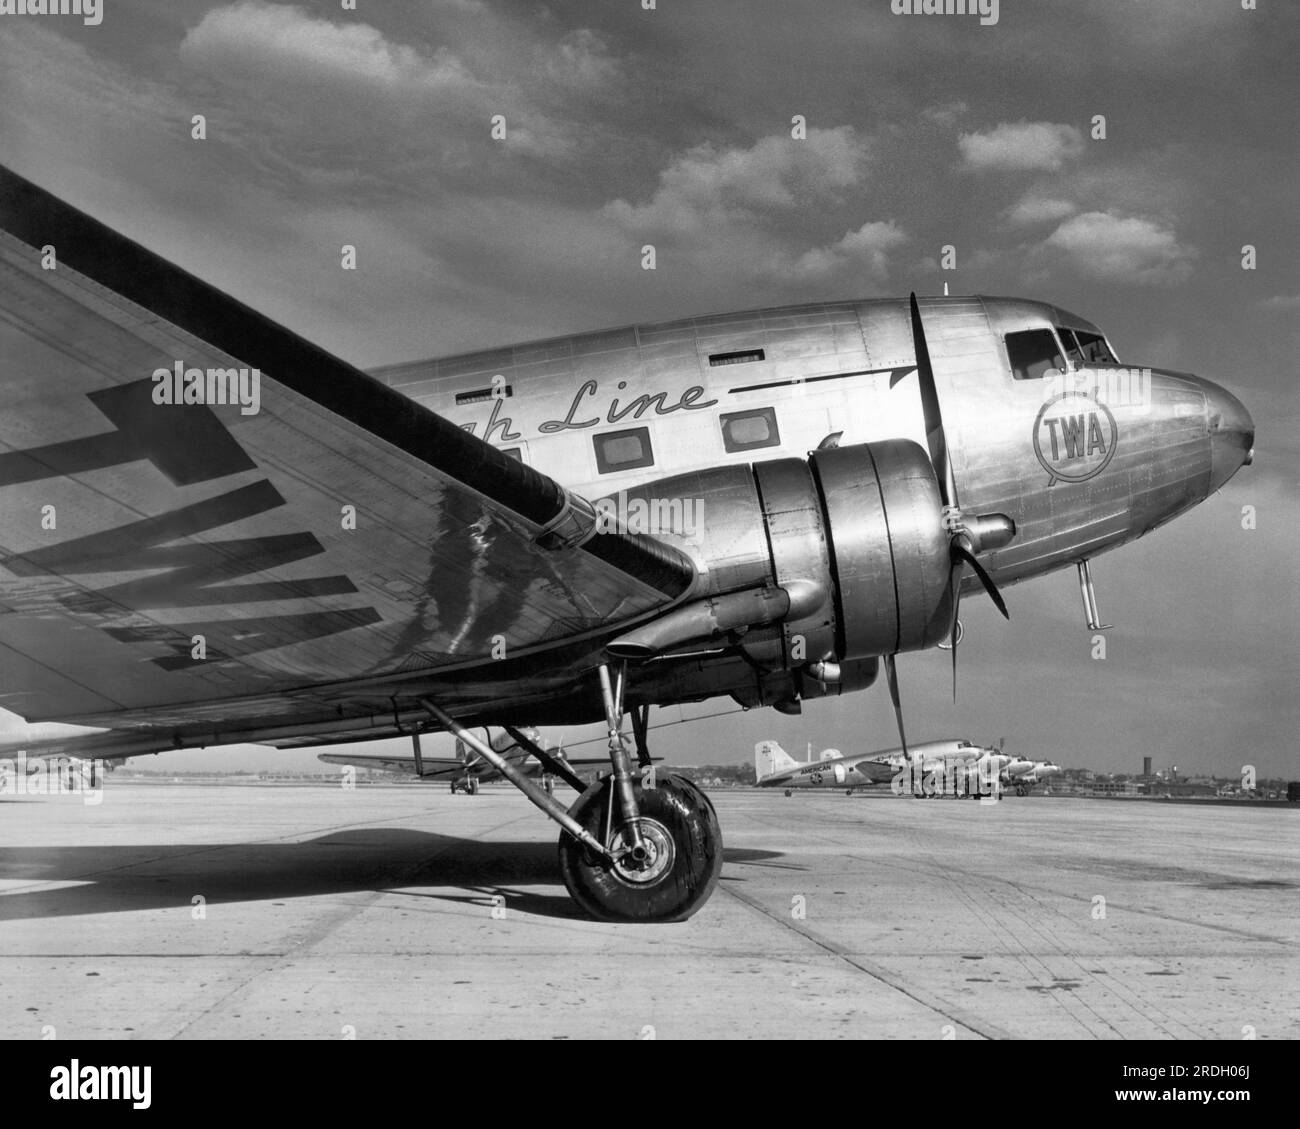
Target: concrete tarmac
{"type": "Point", "coordinates": [315, 912]}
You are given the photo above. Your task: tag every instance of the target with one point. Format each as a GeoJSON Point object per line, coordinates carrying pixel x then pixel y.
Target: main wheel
{"type": "Point", "coordinates": [684, 843]}
{"type": "Point", "coordinates": [471, 785]}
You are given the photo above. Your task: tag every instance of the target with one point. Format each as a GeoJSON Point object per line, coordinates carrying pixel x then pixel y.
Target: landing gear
{"type": "Point", "coordinates": [1021, 790]}
{"type": "Point", "coordinates": [471, 786]}
{"type": "Point", "coordinates": [788, 793]}
{"type": "Point", "coordinates": [637, 845]}
{"type": "Point", "coordinates": [677, 868]}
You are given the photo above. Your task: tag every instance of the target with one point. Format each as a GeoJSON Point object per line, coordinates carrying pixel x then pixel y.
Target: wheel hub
{"type": "Point", "coordinates": [656, 860]}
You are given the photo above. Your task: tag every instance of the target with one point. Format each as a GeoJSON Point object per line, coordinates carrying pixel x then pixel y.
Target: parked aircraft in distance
{"type": "Point", "coordinates": [1035, 774]}
{"type": "Point", "coordinates": [218, 533]}
{"type": "Point", "coordinates": [908, 770]}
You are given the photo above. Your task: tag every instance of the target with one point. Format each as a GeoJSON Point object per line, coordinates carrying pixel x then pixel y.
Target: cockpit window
{"type": "Point", "coordinates": [1071, 346]}
{"type": "Point", "coordinates": [1033, 354]}
{"type": "Point", "coordinates": [1095, 349]}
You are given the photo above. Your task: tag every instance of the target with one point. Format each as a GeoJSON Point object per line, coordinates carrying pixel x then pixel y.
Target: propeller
{"type": "Point", "coordinates": [965, 536]}
{"type": "Point", "coordinates": [891, 676]}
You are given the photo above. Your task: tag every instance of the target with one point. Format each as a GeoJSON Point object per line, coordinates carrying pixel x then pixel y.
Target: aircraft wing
{"type": "Point", "coordinates": [876, 767]}
{"type": "Point", "coordinates": [204, 572]}
{"type": "Point", "coordinates": [433, 766]}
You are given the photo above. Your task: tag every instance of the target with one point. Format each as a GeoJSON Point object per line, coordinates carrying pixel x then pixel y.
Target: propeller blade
{"type": "Point", "coordinates": [960, 552]}
{"type": "Point", "coordinates": [891, 675]}
{"type": "Point", "coordinates": [934, 435]}
{"type": "Point", "coordinates": [956, 606]}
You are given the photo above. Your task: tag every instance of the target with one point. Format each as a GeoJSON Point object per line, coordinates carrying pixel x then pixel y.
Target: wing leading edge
{"type": "Point", "coordinates": [339, 532]}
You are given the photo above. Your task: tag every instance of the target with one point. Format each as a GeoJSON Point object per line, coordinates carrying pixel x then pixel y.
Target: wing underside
{"type": "Point", "coordinates": [162, 562]}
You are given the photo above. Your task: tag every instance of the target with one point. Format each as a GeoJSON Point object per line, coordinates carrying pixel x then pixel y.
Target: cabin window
{"type": "Point", "coordinates": [1094, 348]}
{"type": "Point", "coordinates": [623, 450]}
{"type": "Point", "coordinates": [738, 358]}
{"type": "Point", "coordinates": [747, 431]}
{"type": "Point", "coordinates": [516, 453]}
{"type": "Point", "coordinates": [1033, 354]}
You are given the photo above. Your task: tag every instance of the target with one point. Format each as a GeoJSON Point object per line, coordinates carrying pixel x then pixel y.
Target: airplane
{"type": "Point", "coordinates": [467, 770]}
{"type": "Point", "coordinates": [967, 771]}
{"type": "Point", "coordinates": [1035, 774]}
{"type": "Point", "coordinates": [775, 768]}
{"type": "Point", "coordinates": [216, 532]}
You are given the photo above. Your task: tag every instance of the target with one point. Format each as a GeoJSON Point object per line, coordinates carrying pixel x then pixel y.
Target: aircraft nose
{"type": "Point", "coordinates": [1232, 434]}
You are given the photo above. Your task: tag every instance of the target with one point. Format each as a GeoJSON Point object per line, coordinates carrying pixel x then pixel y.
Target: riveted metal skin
{"type": "Point", "coordinates": [797, 536]}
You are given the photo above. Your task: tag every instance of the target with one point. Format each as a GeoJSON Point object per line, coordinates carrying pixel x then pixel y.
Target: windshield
{"type": "Point", "coordinates": [1094, 348]}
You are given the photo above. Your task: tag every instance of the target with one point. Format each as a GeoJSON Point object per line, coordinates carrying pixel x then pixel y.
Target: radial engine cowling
{"type": "Point", "coordinates": [888, 547]}
{"type": "Point", "coordinates": [847, 548]}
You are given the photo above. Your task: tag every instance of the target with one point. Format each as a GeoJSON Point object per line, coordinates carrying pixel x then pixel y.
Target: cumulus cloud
{"type": "Point", "coordinates": [708, 185]}
{"type": "Point", "coordinates": [254, 36]}
{"type": "Point", "coordinates": [1021, 146]}
{"type": "Point", "coordinates": [1111, 248]}
{"type": "Point", "coordinates": [865, 251]}
{"type": "Point", "coordinates": [1039, 209]}
{"type": "Point", "coordinates": [581, 60]}
{"type": "Point", "coordinates": [946, 114]}
{"type": "Point", "coordinates": [1282, 302]}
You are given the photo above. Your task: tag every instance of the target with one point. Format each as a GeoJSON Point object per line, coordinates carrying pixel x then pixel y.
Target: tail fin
{"type": "Point", "coordinates": [770, 758]}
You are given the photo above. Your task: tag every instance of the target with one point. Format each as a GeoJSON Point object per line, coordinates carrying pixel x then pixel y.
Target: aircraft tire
{"type": "Point", "coordinates": [679, 821]}
{"type": "Point", "coordinates": [471, 786]}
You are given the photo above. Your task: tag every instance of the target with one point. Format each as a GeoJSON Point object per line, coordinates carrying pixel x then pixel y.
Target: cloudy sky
{"type": "Point", "coordinates": [673, 127]}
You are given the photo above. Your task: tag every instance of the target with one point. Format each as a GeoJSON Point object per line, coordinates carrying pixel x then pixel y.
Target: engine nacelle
{"type": "Point", "coordinates": [861, 527]}
{"type": "Point", "coordinates": [889, 548]}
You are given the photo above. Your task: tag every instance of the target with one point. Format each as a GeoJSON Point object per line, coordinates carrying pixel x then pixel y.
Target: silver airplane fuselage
{"type": "Point", "coordinates": [1151, 444]}
{"type": "Point", "coordinates": [1043, 425]}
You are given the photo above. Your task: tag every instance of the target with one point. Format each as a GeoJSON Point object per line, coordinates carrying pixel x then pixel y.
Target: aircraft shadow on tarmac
{"type": "Point", "coordinates": [122, 878]}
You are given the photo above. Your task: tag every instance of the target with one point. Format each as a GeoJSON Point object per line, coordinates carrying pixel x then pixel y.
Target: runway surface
{"type": "Point", "coordinates": [402, 911]}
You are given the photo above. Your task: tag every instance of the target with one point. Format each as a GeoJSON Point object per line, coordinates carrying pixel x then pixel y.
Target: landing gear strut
{"type": "Point", "coordinates": [663, 846]}
{"type": "Point", "coordinates": [637, 845]}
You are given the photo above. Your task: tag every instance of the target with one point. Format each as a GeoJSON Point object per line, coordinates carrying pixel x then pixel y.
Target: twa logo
{"type": "Point", "coordinates": [1074, 437]}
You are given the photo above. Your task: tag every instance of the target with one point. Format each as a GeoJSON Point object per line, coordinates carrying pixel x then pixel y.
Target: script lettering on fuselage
{"type": "Point", "coordinates": [577, 417]}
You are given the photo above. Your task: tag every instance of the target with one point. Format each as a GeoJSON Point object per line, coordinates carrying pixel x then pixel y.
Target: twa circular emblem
{"type": "Point", "coordinates": [1074, 437]}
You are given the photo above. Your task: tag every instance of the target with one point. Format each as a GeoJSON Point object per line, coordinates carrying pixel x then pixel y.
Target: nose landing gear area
{"type": "Point", "coordinates": [679, 864]}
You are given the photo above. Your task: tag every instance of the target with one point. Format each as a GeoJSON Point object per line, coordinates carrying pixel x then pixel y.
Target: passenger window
{"type": "Point", "coordinates": [1071, 346]}
{"type": "Point", "coordinates": [623, 450]}
{"type": "Point", "coordinates": [747, 431]}
{"type": "Point", "coordinates": [1095, 349]}
{"type": "Point", "coordinates": [1033, 354]}
{"type": "Point", "coordinates": [515, 453]}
